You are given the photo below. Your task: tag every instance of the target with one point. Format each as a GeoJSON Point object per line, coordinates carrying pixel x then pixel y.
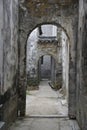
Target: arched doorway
{"type": "Point", "coordinates": [49, 45]}
{"type": "Point", "coordinates": [46, 67]}
{"type": "Point", "coordinates": [22, 64]}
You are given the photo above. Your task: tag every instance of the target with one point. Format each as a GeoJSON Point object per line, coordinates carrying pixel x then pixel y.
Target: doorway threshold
{"type": "Point", "coordinates": [47, 116]}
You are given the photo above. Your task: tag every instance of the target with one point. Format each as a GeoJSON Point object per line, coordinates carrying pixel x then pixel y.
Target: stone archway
{"type": "Point", "coordinates": [27, 23]}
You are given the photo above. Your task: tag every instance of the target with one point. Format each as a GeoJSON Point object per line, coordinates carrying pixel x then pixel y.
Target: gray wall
{"type": "Point", "coordinates": [1, 46]}
{"type": "Point", "coordinates": [82, 66]}
{"type": "Point", "coordinates": [10, 42]}
{"type": "Point", "coordinates": [8, 59]}
{"type": "Point", "coordinates": [31, 53]}
{"type": "Point", "coordinates": [65, 64]}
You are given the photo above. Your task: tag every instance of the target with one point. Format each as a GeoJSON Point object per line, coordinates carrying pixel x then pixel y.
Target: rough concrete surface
{"type": "Point", "coordinates": [46, 101]}
{"type": "Point", "coordinates": [45, 124]}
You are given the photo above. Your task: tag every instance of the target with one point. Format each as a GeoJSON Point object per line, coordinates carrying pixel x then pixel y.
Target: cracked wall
{"type": "Point", "coordinates": [8, 59]}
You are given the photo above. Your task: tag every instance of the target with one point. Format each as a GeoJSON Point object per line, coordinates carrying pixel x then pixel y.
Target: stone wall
{"type": "Point", "coordinates": [8, 58]}
{"type": "Point", "coordinates": [82, 66]}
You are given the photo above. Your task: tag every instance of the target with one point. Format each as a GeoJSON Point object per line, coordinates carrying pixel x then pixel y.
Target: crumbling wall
{"type": "Point", "coordinates": [9, 60]}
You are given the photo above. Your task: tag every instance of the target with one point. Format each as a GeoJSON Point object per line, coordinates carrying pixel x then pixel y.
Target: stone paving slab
{"type": "Point", "coordinates": [45, 124]}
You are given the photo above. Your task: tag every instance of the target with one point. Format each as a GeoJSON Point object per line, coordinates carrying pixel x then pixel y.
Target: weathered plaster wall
{"type": "Point", "coordinates": [9, 54]}
{"type": "Point", "coordinates": [10, 43]}
{"type": "Point", "coordinates": [65, 63]}
{"type": "Point", "coordinates": [1, 46]}
{"type": "Point", "coordinates": [82, 66]}
{"type": "Point", "coordinates": [32, 55]}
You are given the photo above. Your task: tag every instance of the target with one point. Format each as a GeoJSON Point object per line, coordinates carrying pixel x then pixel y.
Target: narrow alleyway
{"type": "Point", "coordinates": [46, 102]}
{"type": "Point", "coordinates": [44, 106]}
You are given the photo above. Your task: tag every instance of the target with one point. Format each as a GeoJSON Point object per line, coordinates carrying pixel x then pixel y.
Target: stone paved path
{"type": "Point", "coordinates": [45, 124]}
{"type": "Point", "coordinates": [46, 101]}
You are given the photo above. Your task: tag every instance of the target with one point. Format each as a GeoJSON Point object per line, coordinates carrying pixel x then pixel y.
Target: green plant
{"type": "Point", "coordinates": [33, 82]}
{"type": "Point", "coordinates": [57, 85]}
